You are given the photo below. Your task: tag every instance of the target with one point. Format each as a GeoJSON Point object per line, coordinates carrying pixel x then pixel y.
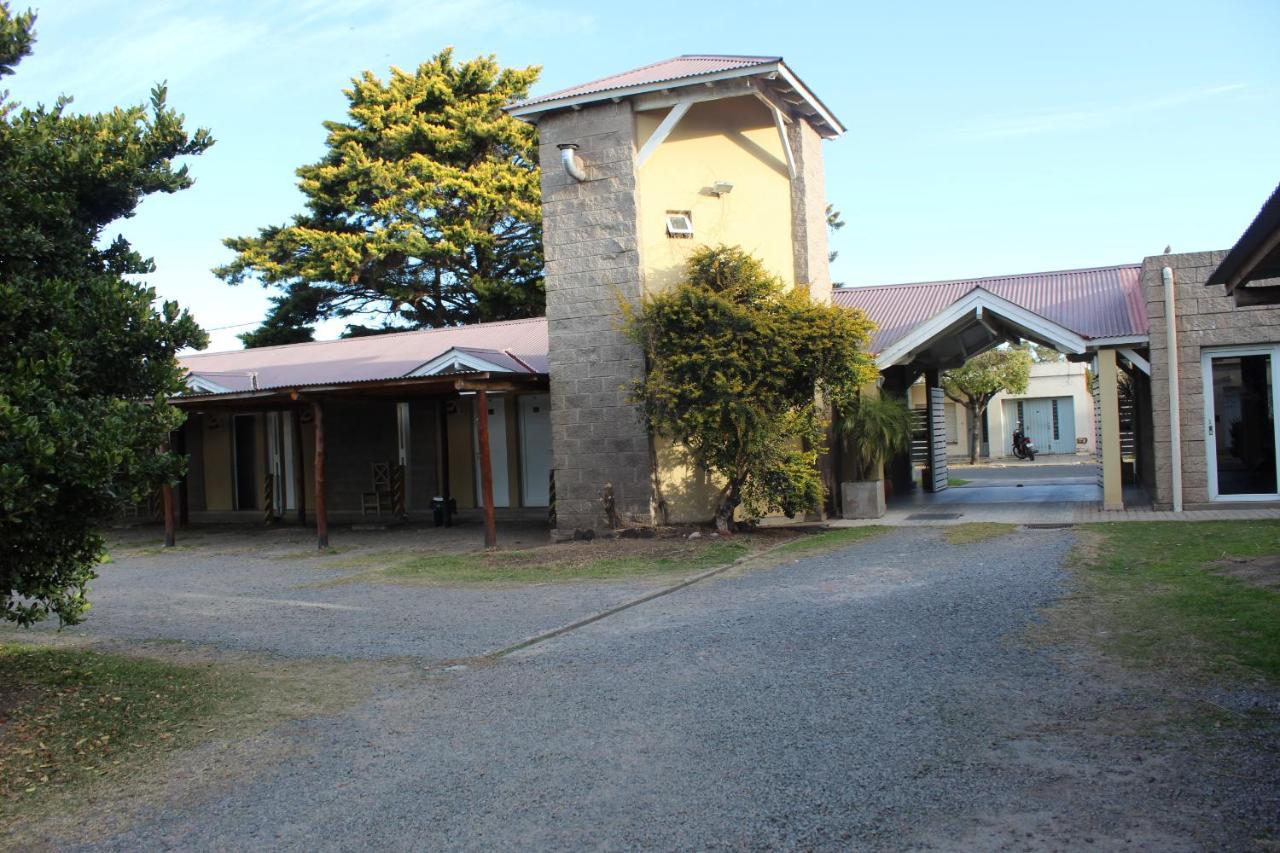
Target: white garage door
{"type": "Point", "coordinates": [1050, 421]}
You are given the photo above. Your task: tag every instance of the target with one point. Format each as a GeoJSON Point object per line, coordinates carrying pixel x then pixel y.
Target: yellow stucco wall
{"type": "Point", "coordinates": [732, 140]}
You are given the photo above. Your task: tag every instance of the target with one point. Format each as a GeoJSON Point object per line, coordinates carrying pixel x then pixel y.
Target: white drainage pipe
{"type": "Point", "coordinates": [569, 160]}
{"type": "Point", "coordinates": [1175, 405]}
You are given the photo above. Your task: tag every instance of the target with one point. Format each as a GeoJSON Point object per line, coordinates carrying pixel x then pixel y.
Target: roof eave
{"type": "Point", "coordinates": [530, 111]}
{"type": "Point", "coordinates": [1256, 255]}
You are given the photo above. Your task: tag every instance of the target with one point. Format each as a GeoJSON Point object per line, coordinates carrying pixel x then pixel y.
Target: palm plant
{"type": "Point", "coordinates": [877, 427]}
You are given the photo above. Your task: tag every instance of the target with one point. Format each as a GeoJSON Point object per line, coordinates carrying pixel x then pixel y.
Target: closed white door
{"type": "Point", "coordinates": [535, 449]}
{"type": "Point", "coordinates": [1050, 422]}
{"type": "Point", "coordinates": [497, 451]}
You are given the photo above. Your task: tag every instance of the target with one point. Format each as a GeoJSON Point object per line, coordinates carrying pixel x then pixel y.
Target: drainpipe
{"type": "Point", "coordinates": [569, 160]}
{"type": "Point", "coordinates": [1175, 407]}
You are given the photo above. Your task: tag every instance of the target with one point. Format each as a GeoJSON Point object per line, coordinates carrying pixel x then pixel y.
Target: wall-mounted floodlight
{"type": "Point", "coordinates": [720, 188]}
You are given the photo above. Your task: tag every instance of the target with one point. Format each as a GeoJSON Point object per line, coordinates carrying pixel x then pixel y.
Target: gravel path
{"type": "Point", "coordinates": [276, 602]}
{"type": "Point", "coordinates": [875, 698]}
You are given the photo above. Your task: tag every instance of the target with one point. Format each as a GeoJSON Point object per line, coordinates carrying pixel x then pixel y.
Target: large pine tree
{"type": "Point", "coordinates": [424, 212]}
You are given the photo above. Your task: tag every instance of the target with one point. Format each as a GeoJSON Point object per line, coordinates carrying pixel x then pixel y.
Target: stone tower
{"type": "Point", "coordinates": [638, 169]}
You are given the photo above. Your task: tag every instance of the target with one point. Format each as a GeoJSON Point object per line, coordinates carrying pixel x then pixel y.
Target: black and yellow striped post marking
{"type": "Point", "coordinates": [551, 500]}
{"type": "Point", "coordinates": [268, 499]}
{"type": "Point", "coordinates": [397, 490]}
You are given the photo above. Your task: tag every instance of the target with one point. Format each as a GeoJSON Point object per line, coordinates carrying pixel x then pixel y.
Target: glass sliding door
{"type": "Point", "coordinates": [1240, 436]}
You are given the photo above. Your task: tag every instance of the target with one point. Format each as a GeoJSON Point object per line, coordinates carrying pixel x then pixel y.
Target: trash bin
{"type": "Point", "coordinates": [441, 514]}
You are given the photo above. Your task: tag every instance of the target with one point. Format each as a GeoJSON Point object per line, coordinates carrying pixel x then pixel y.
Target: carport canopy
{"type": "Point", "coordinates": [976, 322]}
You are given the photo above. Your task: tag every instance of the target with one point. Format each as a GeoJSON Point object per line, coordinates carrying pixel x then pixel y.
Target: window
{"type": "Point", "coordinates": [679, 224]}
{"type": "Point", "coordinates": [1055, 420]}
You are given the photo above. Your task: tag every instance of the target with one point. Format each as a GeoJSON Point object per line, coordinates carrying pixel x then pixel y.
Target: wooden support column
{"type": "Point", "coordinates": [299, 473]}
{"type": "Point", "coordinates": [166, 500]}
{"type": "Point", "coordinates": [322, 515]}
{"type": "Point", "coordinates": [1109, 434]}
{"type": "Point", "coordinates": [486, 470]}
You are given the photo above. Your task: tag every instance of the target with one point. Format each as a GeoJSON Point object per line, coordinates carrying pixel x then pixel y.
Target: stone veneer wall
{"type": "Point", "coordinates": [809, 212]}
{"type": "Point", "coordinates": [1207, 317]}
{"type": "Point", "coordinates": [592, 259]}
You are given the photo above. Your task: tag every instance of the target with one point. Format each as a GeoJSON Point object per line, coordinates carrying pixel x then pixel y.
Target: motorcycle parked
{"type": "Point", "coordinates": [1023, 446]}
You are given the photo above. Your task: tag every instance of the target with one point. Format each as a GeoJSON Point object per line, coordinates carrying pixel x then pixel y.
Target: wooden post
{"type": "Point", "coordinates": [322, 516]}
{"type": "Point", "coordinates": [299, 475]}
{"type": "Point", "coordinates": [486, 471]}
{"type": "Point", "coordinates": [166, 499]}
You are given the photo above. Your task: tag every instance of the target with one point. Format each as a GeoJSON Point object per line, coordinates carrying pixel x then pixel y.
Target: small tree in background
{"type": "Point", "coordinates": [86, 359]}
{"type": "Point", "coordinates": [426, 210]}
{"type": "Point", "coordinates": [981, 378]}
{"type": "Point", "coordinates": [736, 364]}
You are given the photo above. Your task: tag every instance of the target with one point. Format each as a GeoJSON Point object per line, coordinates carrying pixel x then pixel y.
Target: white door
{"type": "Point", "coordinates": [1050, 422]}
{"type": "Point", "coordinates": [1241, 396]}
{"type": "Point", "coordinates": [535, 449]}
{"type": "Point", "coordinates": [497, 451]}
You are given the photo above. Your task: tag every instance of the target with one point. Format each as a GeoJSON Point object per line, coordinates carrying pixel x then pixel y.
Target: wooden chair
{"type": "Point", "coordinates": [380, 498]}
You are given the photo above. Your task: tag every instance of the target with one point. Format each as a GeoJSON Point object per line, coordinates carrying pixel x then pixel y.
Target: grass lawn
{"type": "Point", "coordinates": [958, 481]}
{"type": "Point", "coordinates": [828, 540]}
{"type": "Point", "coordinates": [70, 715]}
{"type": "Point", "coordinates": [976, 531]}
{"type": "Point", "coordinates": [556, 563]}
{"type": "Point", "coordinates": [1161, 593]}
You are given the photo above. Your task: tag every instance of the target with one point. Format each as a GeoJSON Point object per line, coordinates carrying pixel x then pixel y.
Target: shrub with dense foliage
{"type": "Point", "coordinates": [86, 359]}
{"type": "Point", "coordinates": [877, 427]}
{"type": "Point", "coordinates": [737, 364]}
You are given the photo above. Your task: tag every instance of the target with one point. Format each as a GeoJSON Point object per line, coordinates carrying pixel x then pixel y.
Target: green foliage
{"type": "Point", "coordinates": [86, 359]}
{"type": "Point", "coordinates": [975, 383]}
{"type": "Point", "coordinates": [877, 427]}
{"type": "Point", "coordinates": [425, 211]}
{"type": "Point", "coordinates": [735, 364]}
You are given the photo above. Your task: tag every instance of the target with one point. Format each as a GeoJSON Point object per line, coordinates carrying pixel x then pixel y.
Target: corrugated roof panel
{"type": "Point", "coordinates": [677, 68]}
{"type": "Point", "coordinates": [1100, 302]}
{"type": "Point", "coordinates": [389, 356]}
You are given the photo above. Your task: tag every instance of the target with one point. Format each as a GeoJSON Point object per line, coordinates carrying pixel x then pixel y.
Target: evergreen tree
{"type": "Point", "coordinates": [425, 211]}
{"type": "Point", "coordinates": [86, 359]}
{"type": "Point", "coordinates": [736, 365]}
{"type": "Point", "coordinates": [976, 383]}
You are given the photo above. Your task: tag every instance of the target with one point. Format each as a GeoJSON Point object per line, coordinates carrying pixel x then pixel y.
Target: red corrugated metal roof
{"type": "Point", "coordinates": [1102, 302]}
{"type": "Point", "coordinates": [677, 68]}
{"type": "Point", "coordinates": [517, 343]}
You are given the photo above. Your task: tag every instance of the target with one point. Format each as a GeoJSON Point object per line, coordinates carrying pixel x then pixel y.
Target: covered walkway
{"type": "Point", "coordinates": [1092, 315]}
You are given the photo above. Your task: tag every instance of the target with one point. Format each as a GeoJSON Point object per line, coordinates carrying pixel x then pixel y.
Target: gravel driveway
{"type": "Point", "coordinates": [881, 697]}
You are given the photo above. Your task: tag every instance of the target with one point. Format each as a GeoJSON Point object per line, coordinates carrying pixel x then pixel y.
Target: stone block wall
{"type": "Point", "coordinates": [593, 261]}
{"type": "Point", "coordinates": [809, 212]}
{"type": "Point", "coordinates": [1206, 317]}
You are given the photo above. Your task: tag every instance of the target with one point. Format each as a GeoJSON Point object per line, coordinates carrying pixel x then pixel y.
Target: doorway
{"type": "Point", "coordinates": [535, 449]}
{"type": "Point", "coordinates": [497, 450]}
{"type": "Point", "coordinates": [1240, 398]}
{"type": "Point", "coordinates": [245, 455]}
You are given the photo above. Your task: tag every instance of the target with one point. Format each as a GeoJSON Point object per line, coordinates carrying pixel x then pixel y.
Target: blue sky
{"type": "Point", "coordinates": [983, 138]}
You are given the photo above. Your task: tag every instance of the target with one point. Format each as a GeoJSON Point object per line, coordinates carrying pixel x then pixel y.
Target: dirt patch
{"type": "Point", "coordinates": [1261, 571]}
